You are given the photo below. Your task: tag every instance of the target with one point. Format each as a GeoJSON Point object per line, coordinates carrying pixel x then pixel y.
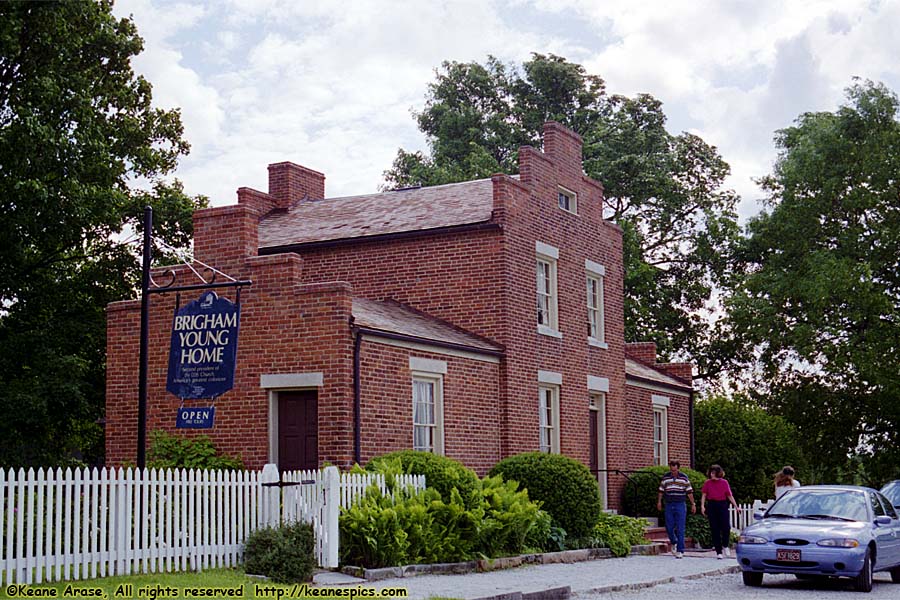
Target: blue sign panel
{"type": "Point", "coordinates": [195, 418]}
{"type": "Point", "coordinates": [203, 348]}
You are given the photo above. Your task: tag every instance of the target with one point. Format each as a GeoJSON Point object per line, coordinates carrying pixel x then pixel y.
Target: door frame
{"type": "Point", "coordinates": [290, 382]}
{"type": "Point", "coordinates": [598, 412]}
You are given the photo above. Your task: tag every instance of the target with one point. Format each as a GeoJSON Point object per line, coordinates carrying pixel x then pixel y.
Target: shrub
{"type": "Point", "coordinates": [647, 480]}
{"type": "Point", "coordinates": [618, 533]}
{"type": "Point", "coordinates": [441, 473]}
{"type": "Point", "coordinates": [565, 488]}
{"type": "Point", "coordinates": [177, 452]}
{"type": "Point", "coordinates": [540, 536]}
{"type": "Point", "coordinates": [285, 554]}
{"type": "Point", "coordinates": [509, 519]}
{"type": "Point", "coordinates": [697, 527]}
{"type": "Point", "coordinates": [408, 526]}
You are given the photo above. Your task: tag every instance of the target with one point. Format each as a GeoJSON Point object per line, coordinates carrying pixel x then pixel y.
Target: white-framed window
{"type": "Point", "coordinates": [547, 297]}
{"type": "Point", "coordinates": [568, 200]}
{"type": "Point", "coordinates": [596, 328]}
{"type": "Point", "coordinates": [428, 412]}
{"type": "Point", "coordinates": [548, 405]}
{"type": "Point", "coordinates": [595, 308]}
{"type": "Point", "coordinates": [660, 435]}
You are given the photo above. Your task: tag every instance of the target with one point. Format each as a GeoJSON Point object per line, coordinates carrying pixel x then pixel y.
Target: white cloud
{"type": "Point", "coordinates": [330, 85]}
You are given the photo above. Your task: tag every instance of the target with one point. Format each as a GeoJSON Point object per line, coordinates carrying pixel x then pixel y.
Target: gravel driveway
{"type": "Point", "coordinates": [775, 587]}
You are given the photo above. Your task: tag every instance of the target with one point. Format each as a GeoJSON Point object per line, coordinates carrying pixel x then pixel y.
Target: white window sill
{"type": "Point", "coordinates": [544, 330]}
{"type": "Point", "coordinates": [597, 343]}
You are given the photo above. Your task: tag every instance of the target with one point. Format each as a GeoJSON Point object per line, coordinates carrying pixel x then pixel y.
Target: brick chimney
{"type": "Point", "coordinates": [290, 183]}
{"type": "Point", "coordinates": [562, 145]}
{"type": "Point", "coordinates": [644, 352]}
{"type": "Point", "coordinates": [224, 236]}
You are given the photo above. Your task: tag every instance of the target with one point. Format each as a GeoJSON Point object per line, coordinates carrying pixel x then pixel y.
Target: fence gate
{"type": "Point", "coordinates": [309, 496]}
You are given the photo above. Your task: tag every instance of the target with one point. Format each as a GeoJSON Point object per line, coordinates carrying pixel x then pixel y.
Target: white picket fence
{"type": "Point", "coordinates": [743, 517]}
{"type": "Point", "coordinates": [80, 524]}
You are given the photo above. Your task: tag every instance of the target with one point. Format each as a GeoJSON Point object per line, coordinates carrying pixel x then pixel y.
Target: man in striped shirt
{"type": "Point", "coordinates": [676, 488]}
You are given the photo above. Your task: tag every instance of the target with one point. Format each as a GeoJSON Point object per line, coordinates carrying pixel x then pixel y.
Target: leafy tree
{"type": "Point", "coordinates": [77, 130]}
{"type": "Point", "coordinates": [665, 190]}
{"type": "Point", "coordinates": [821, 303]}
{"type": "Point", "coordinates": [748, 442]}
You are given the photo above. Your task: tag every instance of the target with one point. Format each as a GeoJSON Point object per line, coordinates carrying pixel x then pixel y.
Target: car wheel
{"type": "Point", "coordinates": [863, 581]}
{"type": "Point", "coordinates": [895, 574]}
{"type": "Point", "coordinates": [752, 579]}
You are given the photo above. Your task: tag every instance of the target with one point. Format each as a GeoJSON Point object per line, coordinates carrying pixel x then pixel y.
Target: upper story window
{"type": "Point", "coordinates": [568, 200]}
{"type": "Point", "coordinates": [596, 329]}
{"type": "Point", "coordinates": [547, 303]}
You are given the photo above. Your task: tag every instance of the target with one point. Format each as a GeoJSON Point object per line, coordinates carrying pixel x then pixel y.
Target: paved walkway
{"type": "Point", "coordinates": [590, 577]}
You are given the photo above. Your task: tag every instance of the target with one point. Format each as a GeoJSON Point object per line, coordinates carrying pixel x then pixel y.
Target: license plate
{"type": "Point", "coordinates": [787, 555]}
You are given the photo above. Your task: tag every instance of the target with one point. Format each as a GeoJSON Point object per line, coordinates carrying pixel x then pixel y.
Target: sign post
{"type": "Point", "coordinates": [145, 326]}
{"type": "Point", "coordinates": [206, 339]}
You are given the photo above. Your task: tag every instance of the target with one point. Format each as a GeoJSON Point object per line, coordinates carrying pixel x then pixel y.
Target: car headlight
{"type": "Point", "coordinates": [752, 539]}
{"type": "Point", "coordinates": [838, 543]}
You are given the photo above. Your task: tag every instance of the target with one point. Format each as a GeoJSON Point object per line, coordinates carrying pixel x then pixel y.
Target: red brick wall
{"type": "Point", "coordinates": [639, 432]}
{"type": "Point", "coordinates": [453, 277]}
{"type": "Point", "coordinates": [471, 394]}
{"type": "Point", "coordinates": [536, 216]}
{"type": "Point", "coordinates": [286, 327]}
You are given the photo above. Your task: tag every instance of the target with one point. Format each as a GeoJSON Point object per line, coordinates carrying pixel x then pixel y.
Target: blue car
{"type": "Point", "coordinates": [891, 491]}
{"type": "Point", "coordinates": [823, 531]}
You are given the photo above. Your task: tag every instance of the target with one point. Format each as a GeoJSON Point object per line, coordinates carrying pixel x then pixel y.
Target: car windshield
{"type": "Point", "coordinates": [892, 491]}
{"type": "Point", "coordinates": [840, 505]}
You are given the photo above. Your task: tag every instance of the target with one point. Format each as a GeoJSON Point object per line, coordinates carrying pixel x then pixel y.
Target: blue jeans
{"type": "Point", "coordinates": [676, 515]}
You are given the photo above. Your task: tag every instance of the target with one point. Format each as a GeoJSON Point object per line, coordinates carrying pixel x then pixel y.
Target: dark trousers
{"type": "Point", "coordinates": [719, 523]}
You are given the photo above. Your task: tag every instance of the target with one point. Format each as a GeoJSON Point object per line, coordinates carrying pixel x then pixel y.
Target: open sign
{"type": "Point", "coordinates": [195, 418]}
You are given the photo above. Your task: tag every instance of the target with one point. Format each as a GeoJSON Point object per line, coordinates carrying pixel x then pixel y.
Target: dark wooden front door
{"type": "Point", "coordinates": [298, 430]}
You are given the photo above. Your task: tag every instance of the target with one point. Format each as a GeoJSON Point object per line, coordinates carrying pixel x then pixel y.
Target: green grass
{"type": "Point", "coordinates": [212, 578]}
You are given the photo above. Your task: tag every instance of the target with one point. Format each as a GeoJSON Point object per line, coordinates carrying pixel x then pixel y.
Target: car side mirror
{"type": "Point", "coordinates": [883, 520]}
{"type": "Point", "coordinates": [758, 515]}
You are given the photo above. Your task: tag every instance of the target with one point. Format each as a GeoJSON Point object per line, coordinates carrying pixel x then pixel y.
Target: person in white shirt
{"type": "Point", "coordinates": [785, 481]}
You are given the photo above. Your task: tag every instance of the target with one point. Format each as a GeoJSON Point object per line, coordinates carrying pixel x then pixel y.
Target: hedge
{"type": "Point", "coordinates": [564, 486]}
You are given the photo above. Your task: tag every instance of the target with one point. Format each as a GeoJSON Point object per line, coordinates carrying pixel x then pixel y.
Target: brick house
{"type": "Point", "coordinates": [477, 320]}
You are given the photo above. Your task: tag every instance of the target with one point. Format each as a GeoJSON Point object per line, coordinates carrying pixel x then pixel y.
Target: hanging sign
{"type": "Point", "coordinates": [195, 418]}
{"type": "Point", "coordinates": [203, 348]}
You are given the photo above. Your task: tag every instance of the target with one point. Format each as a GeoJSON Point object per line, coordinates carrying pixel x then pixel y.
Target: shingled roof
{"type": "Point", "coordinates": [392, 317]}
{"type": "Point", "coordinates": [643, 372]}
{"type": "Point", "coordinates": [415, 209]}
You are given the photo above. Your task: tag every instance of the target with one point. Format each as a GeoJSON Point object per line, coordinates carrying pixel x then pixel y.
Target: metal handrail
{"type": "Point", "coordinates": [627, 475]}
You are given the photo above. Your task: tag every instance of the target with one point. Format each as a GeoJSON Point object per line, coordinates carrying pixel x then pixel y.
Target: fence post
{"type": "Point", "coordinates": [271, 496]}
{"type": "Point", "coordinates": [332, 515]}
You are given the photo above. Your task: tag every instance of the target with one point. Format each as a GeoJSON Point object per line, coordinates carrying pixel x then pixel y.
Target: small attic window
{"type": "Point", "coordinates": [568, 200]}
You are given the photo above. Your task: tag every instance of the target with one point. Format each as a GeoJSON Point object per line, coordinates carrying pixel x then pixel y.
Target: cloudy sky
{"type": "Point", "coordinates": [330, 85]}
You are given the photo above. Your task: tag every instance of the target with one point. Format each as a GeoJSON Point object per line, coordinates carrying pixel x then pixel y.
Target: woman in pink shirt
{"type": "Point", "coordinates": [717, 494]}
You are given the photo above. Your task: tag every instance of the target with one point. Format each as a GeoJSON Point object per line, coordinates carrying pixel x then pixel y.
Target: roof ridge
{"type": "Point", "coordinates": [406, 190]}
